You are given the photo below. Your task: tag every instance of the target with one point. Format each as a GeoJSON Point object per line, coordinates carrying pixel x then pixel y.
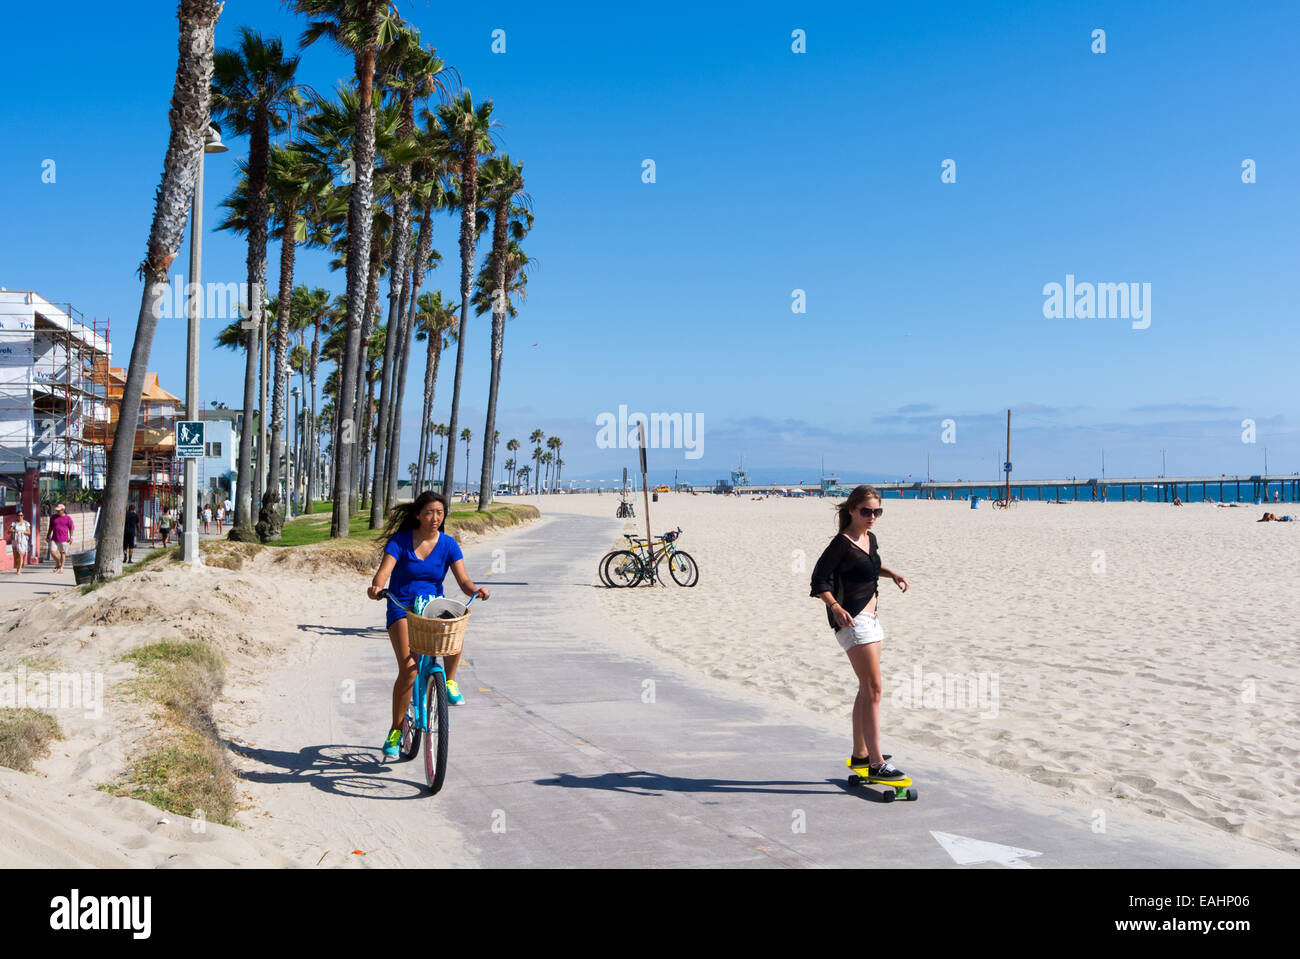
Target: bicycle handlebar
{"type": "Point", "coordinates": [386, 594]}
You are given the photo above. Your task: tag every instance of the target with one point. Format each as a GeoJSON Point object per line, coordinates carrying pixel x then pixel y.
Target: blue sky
{"type": "Point", "coordinates": [776, 172]}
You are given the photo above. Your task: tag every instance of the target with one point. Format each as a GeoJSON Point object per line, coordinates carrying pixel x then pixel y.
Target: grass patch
{"type": "Point", "coordinates": [25, 736]}
{"type": "Point", "coordinates": [43, 664]}
{"type": "Point", "coordinates": [188, 772]}
{"type": "Point", "coordinates": [464, 518]}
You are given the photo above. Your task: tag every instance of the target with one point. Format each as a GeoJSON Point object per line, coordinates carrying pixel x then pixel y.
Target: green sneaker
{"type": "Point", "coordinates": [453, 693]}
{"type": "Point", "coordinates": [391, 744]}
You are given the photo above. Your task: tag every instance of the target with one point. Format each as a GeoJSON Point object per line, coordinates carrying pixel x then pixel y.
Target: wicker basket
{"type": "Point", "coordinates": [436, 637]}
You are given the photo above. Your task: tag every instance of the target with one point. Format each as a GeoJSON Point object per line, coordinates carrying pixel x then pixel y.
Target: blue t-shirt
{"type": "Point", "coordinates": [413, 576]}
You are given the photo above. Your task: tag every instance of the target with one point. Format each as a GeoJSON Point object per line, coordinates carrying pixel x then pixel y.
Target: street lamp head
{"type": "Point", "coordinates": [212, 142]}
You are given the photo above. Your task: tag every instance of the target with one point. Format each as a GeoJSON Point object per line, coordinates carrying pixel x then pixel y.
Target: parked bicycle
{"type": "Point", "coordinates": [629, 567]}
{"type": "Point", "coordinates": [427, 715]}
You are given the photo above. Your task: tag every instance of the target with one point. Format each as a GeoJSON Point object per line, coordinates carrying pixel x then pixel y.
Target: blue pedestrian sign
{"type": "Point", "coordinates": [189, 439]}
{"type": "Point", "coordinates": [1006, 467]}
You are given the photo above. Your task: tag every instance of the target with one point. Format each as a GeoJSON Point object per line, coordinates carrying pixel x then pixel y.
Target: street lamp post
{"type": "Point", "coordinates": [190, 538]}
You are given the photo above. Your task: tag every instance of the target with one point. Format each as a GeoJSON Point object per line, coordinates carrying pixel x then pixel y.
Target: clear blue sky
{"type": "Point", "coordinates": [779, 171]}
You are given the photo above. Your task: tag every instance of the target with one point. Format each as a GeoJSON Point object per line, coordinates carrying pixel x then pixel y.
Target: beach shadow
{"type": "Point", "coordinates": [354, 771]}
{"type": "Point", "coordinates": [642, 783]}
{"type": "Point", "coordinates": [325, 630]}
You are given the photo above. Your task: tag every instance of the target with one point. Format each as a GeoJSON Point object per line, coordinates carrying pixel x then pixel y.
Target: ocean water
{"type": "Point", "coordinates": [1188, 493]}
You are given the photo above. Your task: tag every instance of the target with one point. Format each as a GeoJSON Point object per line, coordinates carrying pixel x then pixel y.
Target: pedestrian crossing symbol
{"type": "Point", "coordinates": [189, 439]}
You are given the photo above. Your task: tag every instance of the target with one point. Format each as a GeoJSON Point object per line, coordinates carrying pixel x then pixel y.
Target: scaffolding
{"type": "Point", "coordinates": [52, 412]}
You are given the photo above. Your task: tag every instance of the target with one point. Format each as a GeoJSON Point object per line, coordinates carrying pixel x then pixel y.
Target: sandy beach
{"type": "Point", "coordinates": [1083, 647]}
{"type": "Point", "coordinates": [1138, 652]}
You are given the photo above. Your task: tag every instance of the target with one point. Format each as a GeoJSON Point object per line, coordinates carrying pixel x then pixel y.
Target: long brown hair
{"type": "Point", "coordinates": [859, 496]}
{"type": "Point", "coordinates": [406, 516]}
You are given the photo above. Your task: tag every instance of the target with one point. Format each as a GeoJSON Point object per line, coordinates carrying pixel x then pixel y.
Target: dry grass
{"type": "Point", "coordinates": [187, 771]}
{"type": "Point", "coordinates": [25, 736]}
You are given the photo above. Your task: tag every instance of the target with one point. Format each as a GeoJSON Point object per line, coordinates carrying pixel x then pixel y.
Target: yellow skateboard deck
{"type": "Point", "coordinates": [895, 788]}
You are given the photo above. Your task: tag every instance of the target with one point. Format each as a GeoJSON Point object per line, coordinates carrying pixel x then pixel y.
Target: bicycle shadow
{"type": "Point", "coordinates": [341, 770]}
{"type": "Point", "coordinates": [643, 783]}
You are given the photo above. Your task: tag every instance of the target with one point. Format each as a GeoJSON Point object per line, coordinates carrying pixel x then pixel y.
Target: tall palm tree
{"type": "Point", "coordinates": [255, 92]}
{"type": "Point", "coordinates": [465, 435]}
{"type": "Point", "coordinates": [469, 134]}
{"type": "Point", "coordinates": [410, 71]}
{"type": "Point", "coordinates": [315, 308]}
{"type": "Point", "coordinates": [298, 195]}
{"type": "Point", "coordinates": [554, 444]}
{"type": "Point", "coordinates": [503, 188]}
{"type": "Point", "coordinates": [512, 446]}
{"type": "Point", "coordinates": [362, 28]}
{"type": "Point", "coordinates": [536, 439]}
{"type": "Point", "coordinates": [433, 322]}
{"type": "Point", "coordinates": [191, 97]}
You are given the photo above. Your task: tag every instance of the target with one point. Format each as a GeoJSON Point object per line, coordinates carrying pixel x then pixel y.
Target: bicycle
{"type": "Point", "coordinates": [428, 710]}
{"type": "Point", "coordinates": [628, 567]}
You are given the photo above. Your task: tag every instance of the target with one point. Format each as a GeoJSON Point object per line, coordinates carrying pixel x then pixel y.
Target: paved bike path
{"type": "Point", "coordinates": [558, 760]}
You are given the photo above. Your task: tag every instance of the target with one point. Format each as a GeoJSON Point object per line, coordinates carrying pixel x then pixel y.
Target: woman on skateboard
{"type": "Point", "coordinates": [846, 579]}
{"type": "Point", "coordinates": [417, 556]}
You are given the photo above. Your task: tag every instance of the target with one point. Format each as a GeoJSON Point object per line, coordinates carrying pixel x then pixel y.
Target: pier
{"type": "Point", "coordinates": [1149, 489]}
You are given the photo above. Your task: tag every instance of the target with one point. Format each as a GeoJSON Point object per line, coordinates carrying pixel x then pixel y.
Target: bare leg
{"type": "Point", "coordinates": [407, 669]}
{"type": "Point", "coordinates": [449, 664]}
{"type": "Point", "coordinates": [866, 707]}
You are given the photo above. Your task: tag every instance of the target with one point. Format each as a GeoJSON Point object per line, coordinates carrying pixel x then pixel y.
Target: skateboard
{"type": "Point", "coordinates": [898, 788]}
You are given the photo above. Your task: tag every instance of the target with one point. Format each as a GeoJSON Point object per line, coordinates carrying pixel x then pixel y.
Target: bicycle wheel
{"type": "Point", "coordinates": [600, 569]}
{"type": "Point", "coordinates": [623, 568]}
{"type": "Point", "coordinates": [435, 748]}
{"type": "Point", "coordinates": [409, 745]}
{"type": "Point", "coordinates": [683, 569]}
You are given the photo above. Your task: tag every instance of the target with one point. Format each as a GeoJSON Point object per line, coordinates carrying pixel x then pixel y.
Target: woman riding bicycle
{"type": "Point", "coordinates": [417, 557]}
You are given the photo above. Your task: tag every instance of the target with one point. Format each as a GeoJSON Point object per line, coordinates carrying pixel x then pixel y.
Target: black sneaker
{"type": "Point", "coordinates": [885, 771]}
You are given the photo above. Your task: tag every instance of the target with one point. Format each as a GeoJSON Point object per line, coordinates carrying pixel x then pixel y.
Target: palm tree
{"type": "Point", "coordinates": [255, 93]}
{"type": "Point", "coordinates": [523, 476]}
{"type": "Point", "coordinates": [510, 471]}
{"type": "Point", "coordinates": [512, 446]}
{"type": "Point", "coordinates": [465, 435]}
{"type": "Point", "coordinates": [536, 439]}
{"type": "Point", "coordinates": [191, 97]}
{"type": "Point", "coordinates": [410, 71]}
{"type": "Point", "coordinates": [298, 195]}
{"type": "Point", "coordinates": [433, 322]}
{"type": "Point", "coordinates": [314, 307]}
{"type": "Point", "coordinates": [554, 443]}
{"type": "Point", "coordinates": [547, 457]}
{"type": "Point", "coordinates": [469, 134]}
{"type": "Point", "coordinates": [503, 187]}
{"type": "Point", "coordinates": [362, 28]}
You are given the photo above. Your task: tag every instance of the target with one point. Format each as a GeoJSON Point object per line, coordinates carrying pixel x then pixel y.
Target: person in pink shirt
{"type": "Point", "coordinates": [60, 536]}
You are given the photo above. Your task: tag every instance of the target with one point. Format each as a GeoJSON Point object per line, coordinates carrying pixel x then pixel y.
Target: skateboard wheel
{"type": "Point", "coordinates": [890, 795]}
{"type": "Point", "coordinates": [911, 793]}
{"type": "Point", "coordinates": [855, 780]}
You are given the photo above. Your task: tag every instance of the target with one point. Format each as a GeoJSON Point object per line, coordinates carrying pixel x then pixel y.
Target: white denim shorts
{"type": "Point", "coordinates": [866, 629]}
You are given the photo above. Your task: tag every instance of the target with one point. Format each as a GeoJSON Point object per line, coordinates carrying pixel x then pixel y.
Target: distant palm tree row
{"type": "Point", "coordinates": [361, 174]}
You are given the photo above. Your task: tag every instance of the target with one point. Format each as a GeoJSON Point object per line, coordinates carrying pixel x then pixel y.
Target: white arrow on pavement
{"type": "Point", "coordinates": [967, 852]}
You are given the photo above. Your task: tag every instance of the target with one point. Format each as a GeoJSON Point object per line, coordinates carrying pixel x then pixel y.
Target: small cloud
{"type": "Point", "coordinates": [917, 408]}
{"type": "Point", "coordinates": [1182, 408]}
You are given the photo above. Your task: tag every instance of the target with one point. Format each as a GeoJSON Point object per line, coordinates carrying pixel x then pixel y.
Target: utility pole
{"type": "Point", "coordinates": [1006, 466]}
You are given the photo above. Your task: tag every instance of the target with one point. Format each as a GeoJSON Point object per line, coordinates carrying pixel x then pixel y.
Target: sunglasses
{"type": "Point", "coordinates": [866, 511]}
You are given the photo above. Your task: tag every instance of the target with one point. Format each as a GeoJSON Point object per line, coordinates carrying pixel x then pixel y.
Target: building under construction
{"type": "Point", "coordinates": [54, 410]}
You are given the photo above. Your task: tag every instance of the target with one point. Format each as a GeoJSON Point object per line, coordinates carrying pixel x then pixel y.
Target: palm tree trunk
{"type": "Point", "coordinates": [363, 358]}
{"type": "Point", "coordinates": [499, 238]}
{"type": "Point", "coordinates": [272, 518]}
{"type": "Point", "coordinates": [469, 213]}
{"type": "Point", "coordinates": [401, 244]}
{"type": "Point", "coordinates": [191, 97]}
{"type": "Point", "coordinates": [360, 206]}
{"type": "Point", "coordinates": [314, 443]}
